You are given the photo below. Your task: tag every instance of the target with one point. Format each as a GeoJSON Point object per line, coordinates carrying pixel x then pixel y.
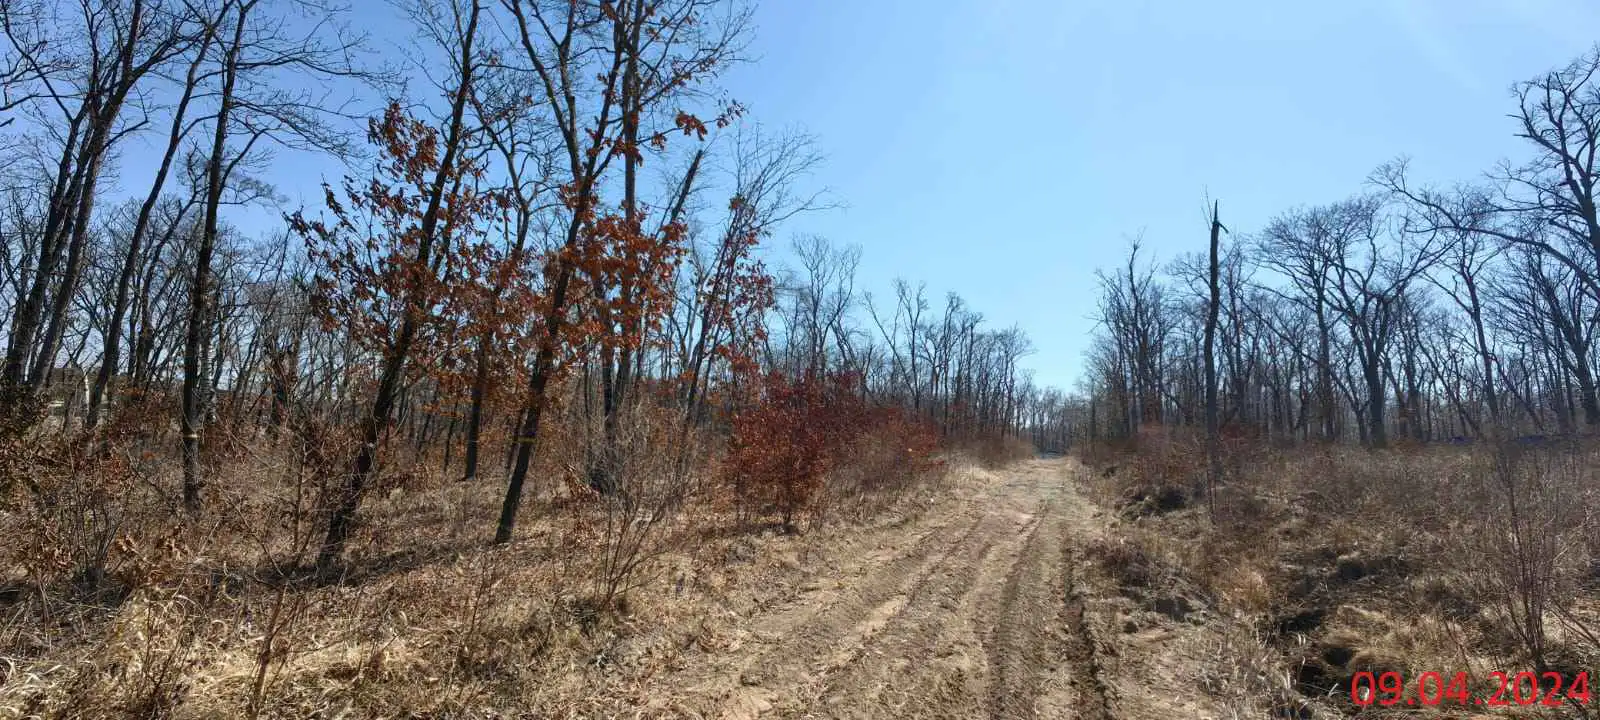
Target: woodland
{"type": "Point", "coordinates": [540, 281]}
{"type": "Point", "coordinates": [446, 439]}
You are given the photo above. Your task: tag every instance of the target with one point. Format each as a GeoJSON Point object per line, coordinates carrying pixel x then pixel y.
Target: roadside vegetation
{"type": "Point", "coordinates": [1362, 437]}
{"type": "Point", "coordinates": [515, 404]}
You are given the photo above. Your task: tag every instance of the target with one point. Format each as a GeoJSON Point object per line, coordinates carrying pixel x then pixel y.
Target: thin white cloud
{"type": "Point", "coordinates": [1564, 26]}
{"type": "Point", "coordinates": [1423, 22]}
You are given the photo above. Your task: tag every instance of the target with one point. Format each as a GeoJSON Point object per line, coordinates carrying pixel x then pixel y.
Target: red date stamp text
{"type": "Point", "coordinates": [1550, 689]}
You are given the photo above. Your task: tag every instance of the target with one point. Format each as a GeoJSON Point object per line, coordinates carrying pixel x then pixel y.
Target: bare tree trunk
{"type": "Point", "coordinates": [1213, 438]}
{"type": "Point", "coordinates": [200, 294]}
{"type": "Point", "coordinates": [1372, 374]}
{"type": "Point", "coordinates": [480, 387]}
{"type": "Point", "coordinates": [539, 380]}
{"type": "Point", "coordinates": [29, 313]}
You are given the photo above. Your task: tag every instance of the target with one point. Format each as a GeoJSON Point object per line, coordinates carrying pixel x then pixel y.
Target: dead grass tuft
{"type": "Point", "coordinates": [1341, 560]}
{"type": "Point", "coordinates": [115, 605]}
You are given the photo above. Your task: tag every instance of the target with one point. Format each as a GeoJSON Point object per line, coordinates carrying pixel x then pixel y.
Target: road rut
{"type": "Point", "coordinates": [978, 615]}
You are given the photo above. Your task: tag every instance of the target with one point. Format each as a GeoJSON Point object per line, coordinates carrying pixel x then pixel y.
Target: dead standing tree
{"type": "Point", "coordinates": [1213, 308]}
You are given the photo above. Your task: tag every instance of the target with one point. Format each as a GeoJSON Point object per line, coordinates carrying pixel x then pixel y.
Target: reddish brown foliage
{"type": "Point", "coordinates": [377, 260]}
{"type": "Point", "coordinates": [797, 431]}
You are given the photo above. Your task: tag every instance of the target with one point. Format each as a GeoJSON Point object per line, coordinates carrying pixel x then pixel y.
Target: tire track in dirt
{"type": "Point", "coordinates": [1077, 687]}
{"type": "Point", "coordinates": [807, 643]}
{"type": "Point", "coordinates": [979, 616]}
{"type": "Point", "coordinates": [978, 638]}
{"type": "Point", "coordinates": [1026, 638]}
{"type": "Point", "coordinates": [1092, 700]}
{"type": "Point", "coordinates": [926, 663]}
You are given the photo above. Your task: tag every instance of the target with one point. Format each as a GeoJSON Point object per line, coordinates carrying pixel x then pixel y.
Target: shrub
{"type": "Point", "coordinates": [84, 506]}
{"type": "Point", "coordinates": [783, 444]}
{"type": "Point", "coordinates": [651, 483]}
{"type": "Point", "coordinates": [891, 452]}
{"type": "Point", "coordinates": [799, 433]}
{"type": "Point", "coordinates": [1529, 532]}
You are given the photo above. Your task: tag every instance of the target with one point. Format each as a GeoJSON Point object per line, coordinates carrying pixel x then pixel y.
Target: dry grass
{"type": "Point", "coordinates": [1320, 563]}
{"type": "Point", "coordinates": [118, 607]}
{"type": "Point", "coordinates": [993, 451]}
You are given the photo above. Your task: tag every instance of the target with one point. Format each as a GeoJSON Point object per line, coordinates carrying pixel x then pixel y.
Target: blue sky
{"type": "Point", "coordinates": [1005, 149]}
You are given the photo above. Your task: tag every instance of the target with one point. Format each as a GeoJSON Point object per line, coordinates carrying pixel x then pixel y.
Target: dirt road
{"type": "Point", "coordinates": [973, 613]}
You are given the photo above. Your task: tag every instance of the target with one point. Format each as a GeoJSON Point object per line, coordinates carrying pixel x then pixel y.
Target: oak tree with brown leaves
{"type": "Point", "coordinates": [389, 258]}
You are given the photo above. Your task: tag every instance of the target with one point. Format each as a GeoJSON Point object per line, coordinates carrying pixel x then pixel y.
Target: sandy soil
{"type": "Point", "coordinates": [970, 599]}
{"type": "Point", "coordinates": [981, 608]}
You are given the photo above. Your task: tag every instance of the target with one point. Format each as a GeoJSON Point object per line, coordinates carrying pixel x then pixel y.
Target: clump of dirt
{"type": "Point", "coordinates": [1326, 666]}
{"type": "Point", "coordinates": [1146, 579]}
{"type": "Point", "coordinates": [1146, 500]}
{"type": "Point", "coordinates": [1299, 621]}
{"type": "Point", "coordinates": [1176, 607]}
{"type": "Point", "coordinates": [1125, 562]}
{"type": "Point", "coordinates": [1446, 597]}
{"type": "Point", "coordinates": [1375, 568]}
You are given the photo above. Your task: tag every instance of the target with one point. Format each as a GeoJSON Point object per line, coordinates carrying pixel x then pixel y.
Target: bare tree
{"type": "Point", "coordinates": [80, 83]}
{"type": "Point", "coordinates": [179, 128]}
{"type": "Point", "coordinates": [1213, 308]}
{"type": "Point", "coordinates": [252, 113]}
{"type": "Point", "coordinates": [1134, 311]}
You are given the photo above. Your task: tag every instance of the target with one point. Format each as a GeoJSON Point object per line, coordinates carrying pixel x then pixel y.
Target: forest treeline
{"type": "Point", "coordinates": [1234, 397]}
{"type": "Point", "coordinates": [1405, 312]}
{"type": "Point", "coordinates": [552, 227]}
